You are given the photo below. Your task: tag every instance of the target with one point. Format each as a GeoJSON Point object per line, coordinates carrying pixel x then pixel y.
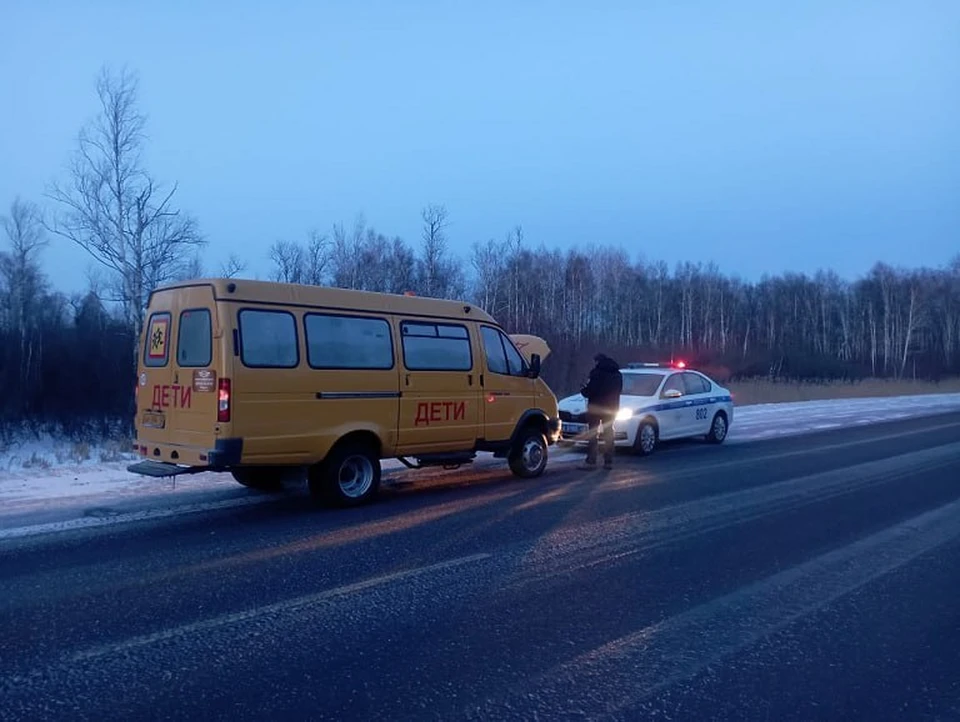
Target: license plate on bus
{"type": "Point", "coordinates": [568, 428]}
{"type": "Point", "coordinates": [152, 420]}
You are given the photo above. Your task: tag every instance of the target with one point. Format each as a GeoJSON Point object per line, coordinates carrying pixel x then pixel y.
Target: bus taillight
{"type": "Point", "coordinates": [223, 401]}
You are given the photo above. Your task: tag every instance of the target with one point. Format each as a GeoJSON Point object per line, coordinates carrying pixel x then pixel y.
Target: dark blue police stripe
{"type": "Point", "coordinates": [679, 404]}
{"type": "Point", "coordinates": [684, 404]}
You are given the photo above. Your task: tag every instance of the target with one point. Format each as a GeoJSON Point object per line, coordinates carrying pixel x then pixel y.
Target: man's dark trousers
{"type": "Point", "coordinates": [593, 421]}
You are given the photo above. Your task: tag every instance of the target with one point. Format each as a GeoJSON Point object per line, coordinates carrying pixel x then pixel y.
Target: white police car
{"type": "Point", "coordinates": [658, 402]}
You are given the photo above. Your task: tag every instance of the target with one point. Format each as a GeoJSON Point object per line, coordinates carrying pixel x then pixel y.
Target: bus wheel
{"type": "Point", "coordinates": [528, 458]}
{"type": "Point", "coordinates": [262, 479]}
{"type": "Point", "coordinates": [349, 476]}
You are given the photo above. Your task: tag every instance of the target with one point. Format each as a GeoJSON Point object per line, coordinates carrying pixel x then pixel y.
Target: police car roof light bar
{"type": "Point", "coordinates": [656, 365]}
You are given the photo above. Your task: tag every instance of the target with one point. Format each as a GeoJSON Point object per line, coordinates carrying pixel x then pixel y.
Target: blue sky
{"type": "Point", "coordinates": [762, 136]}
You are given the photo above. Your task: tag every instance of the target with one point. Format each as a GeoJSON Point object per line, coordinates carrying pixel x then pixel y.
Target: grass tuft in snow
{"type": "Point", "coordinates": [30, 448]}
{"type": "Point", "coordinates": [72, 453]}
{"type": "Point", "coordinates": [36, 461]}
{"type": "Point", "coordinates": [113, 451]}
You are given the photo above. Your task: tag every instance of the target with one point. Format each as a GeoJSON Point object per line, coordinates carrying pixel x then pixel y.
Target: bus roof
{"type": "Point", "coordinates": [238, 290]}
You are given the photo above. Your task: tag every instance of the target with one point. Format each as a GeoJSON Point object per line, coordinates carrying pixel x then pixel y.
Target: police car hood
{"type": "Point", "coordinates": [529, 345]}
{"type": "Point", "coordinates": [576, 404]}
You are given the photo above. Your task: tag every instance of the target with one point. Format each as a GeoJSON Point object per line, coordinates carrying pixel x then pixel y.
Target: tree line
{"type": "Point", "coordinates": [67, 360]}
{"type": "Point", "coordinates": [892, 323]}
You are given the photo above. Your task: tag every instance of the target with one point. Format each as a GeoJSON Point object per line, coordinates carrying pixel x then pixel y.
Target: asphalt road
{"type": "Point", "coordinates": [808, 578]}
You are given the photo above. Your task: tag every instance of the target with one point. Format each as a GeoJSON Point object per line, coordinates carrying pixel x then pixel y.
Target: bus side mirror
{"type": "Point", "coordinates": [535, 366]}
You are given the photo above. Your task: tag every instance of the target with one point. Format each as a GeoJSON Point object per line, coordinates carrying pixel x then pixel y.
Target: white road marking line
{"type": "Point", "coordinates": [622, 673]}
{"type": "Point", "coordinates": [284, 606]}
{"type": "Point", "coordinates": [603, 542]}
{"type": "Point", "coordinates": [832, 447]}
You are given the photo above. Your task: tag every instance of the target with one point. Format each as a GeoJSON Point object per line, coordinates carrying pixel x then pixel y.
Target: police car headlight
{"type": "Point", "coordinates": [624, 414]}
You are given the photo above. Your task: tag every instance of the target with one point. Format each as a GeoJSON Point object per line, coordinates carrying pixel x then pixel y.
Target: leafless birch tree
{"type": "Point", "coordinates": [22, 285]}
{"type": "Point", "coordinates": [114, 209]}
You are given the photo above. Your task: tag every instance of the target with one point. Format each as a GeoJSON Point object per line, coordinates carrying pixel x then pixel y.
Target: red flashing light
{"type": "Point", "coordinates": [223, 401]}
{"type": "Point", "coordinates": [681, 365]}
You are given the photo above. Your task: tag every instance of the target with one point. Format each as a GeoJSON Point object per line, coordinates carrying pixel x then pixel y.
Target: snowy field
{"type": "Point", "coordinates": [42, 476]}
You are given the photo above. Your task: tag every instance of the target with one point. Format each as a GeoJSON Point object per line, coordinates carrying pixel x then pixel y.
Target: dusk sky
{"type": "Point", "coordinates": [763, 136]}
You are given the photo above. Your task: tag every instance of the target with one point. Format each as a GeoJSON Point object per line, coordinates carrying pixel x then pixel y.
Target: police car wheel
{"type": "Point", "coordinates": [528, 458]}
{"type": "Point", "coordinates": [718, 428]}
{"type": "Point", "coordinates": [349, 476]}
{"type": "Point", "coordinates": [646, 440]}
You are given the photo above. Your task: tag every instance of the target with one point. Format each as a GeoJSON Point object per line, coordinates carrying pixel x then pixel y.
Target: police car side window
{"type": "Point", "coordinates": [675, 382]}
{"type": "Point", "coordinates": [695, 384]}
{"type": "Point", "coordinates": [496, 360]}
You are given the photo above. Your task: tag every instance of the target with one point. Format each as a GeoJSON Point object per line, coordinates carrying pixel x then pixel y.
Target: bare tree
{"type": "Point", "coordinates": [287, 257]}
{"type": "Point", "coordinates": [296, 263]}
{"type": "Point", "coordinates": [232, 267]}
{"type": "Point", "coordinates": [436, 271]}
{"type": "Point", "coordinates": [317, 256]}
{"type": "Point", "coordinates": [114, 209]}
{"type": "Point", "coordinates": [190, 270]}
{"type": "Point", "coordinates": [487, 261]}
{"type": "Point", "coordinates": [96, 283]}
{"type": "Point", "coordinates": [401, 267]}
{"type": "Point", "coordinates": [24, 287]}
{"type": "Point", "coordinates": [345, 253]}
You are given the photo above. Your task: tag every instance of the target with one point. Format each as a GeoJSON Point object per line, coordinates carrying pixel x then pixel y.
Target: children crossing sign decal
{"type": "Point", "coordinates": [158, 337]}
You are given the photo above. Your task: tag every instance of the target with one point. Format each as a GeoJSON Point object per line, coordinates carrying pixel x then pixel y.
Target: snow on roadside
{"type": "Point", "coordinates": [46, 470]}
{"type": "Point", "coordinates": [765, 421]}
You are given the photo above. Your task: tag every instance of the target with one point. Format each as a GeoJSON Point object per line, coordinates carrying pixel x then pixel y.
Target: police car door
{"type": "Point", "coordinates": [673, 410]}
{"type": "Point", "coordinates": [698, 393]}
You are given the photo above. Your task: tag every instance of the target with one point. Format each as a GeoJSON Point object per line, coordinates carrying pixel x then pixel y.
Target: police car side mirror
{"type": "Point", "coordinates": [534, 371]}
{"type": "Point", "coordinates": [672, 394]}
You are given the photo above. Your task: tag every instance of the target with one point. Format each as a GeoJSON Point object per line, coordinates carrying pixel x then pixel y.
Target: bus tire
{"type": "Point", "coordinates": [349, 476]}
{"type": "Point", "coordinates": [528, 457]}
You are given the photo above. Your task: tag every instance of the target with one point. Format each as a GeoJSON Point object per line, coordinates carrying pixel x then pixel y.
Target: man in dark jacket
{"type": "Point", "coordinates": [602, 393]}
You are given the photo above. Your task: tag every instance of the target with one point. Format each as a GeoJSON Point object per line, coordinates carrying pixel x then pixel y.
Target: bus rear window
{"type": "Point", "coordinates": [156, 349]}
{"type": "Point", "coordinates": [195, 338]}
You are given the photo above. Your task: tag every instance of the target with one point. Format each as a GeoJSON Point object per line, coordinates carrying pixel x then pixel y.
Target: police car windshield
{"type": "Point", "coordinates": [641, 384]}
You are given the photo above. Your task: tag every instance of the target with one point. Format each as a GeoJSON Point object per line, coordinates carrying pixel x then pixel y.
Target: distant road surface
{"type": "Point", "coordinates": [814, 577]}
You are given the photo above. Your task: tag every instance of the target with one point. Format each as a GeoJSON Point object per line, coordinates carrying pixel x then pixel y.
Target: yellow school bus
{"type": "Point", "coordinates": [267, 380]}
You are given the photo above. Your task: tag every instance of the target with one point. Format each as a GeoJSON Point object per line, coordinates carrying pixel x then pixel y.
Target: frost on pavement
{"type": "Point", "coordinates": [47, 470]}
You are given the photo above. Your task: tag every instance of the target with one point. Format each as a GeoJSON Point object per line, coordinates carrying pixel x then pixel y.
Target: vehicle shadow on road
{"type": "Point", "coordinates": [442, 515]}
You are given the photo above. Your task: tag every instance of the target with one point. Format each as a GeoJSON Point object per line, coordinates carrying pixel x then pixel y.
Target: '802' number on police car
{"type": "Point", "coordinates": [702, 413]}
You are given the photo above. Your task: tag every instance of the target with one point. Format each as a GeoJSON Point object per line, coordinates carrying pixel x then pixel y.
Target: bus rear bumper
{"type": "Point", "coordinates": [164, 460]}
